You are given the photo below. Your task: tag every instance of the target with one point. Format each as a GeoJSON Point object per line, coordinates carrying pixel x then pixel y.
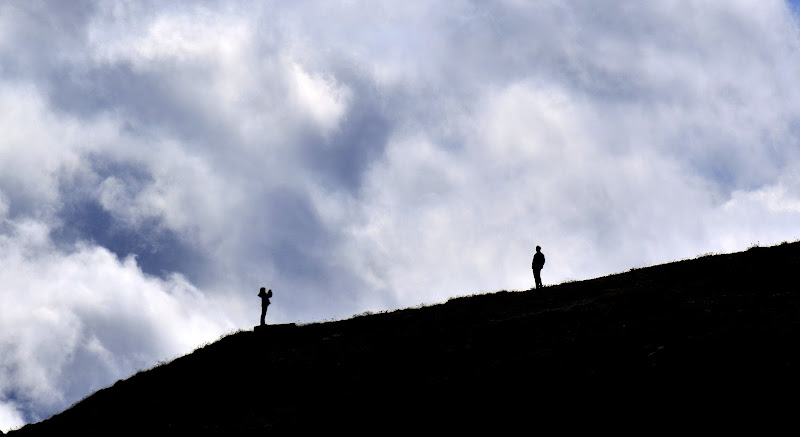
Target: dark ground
{"type": "Point", "coordinates": [703, 343]}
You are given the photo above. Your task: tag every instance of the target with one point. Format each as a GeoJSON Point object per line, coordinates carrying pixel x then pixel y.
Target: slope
{"type": "Point", "coordinates": [663, 341]}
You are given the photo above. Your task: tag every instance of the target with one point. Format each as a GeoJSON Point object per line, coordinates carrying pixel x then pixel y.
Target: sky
{"type": "Point", "coordinates": [161, 161]}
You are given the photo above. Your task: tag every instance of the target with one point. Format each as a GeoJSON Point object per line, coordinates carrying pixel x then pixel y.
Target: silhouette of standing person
{"type": "Point", "coordinates": [264, 302]}
{"type": "Point", "coordinates": [537, 265]}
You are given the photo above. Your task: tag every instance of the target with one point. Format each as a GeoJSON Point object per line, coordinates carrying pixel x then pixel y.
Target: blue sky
{"type": "Point", "coordinates": [160, 162]}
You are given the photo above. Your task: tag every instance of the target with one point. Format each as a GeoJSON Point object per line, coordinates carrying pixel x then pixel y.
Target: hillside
{"type": "Point", "coordinates": [663, 343]}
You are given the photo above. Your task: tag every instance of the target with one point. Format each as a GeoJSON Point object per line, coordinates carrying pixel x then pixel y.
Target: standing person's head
{"type": "Point", "coordinates": [538, 249]}
{"type": "Point", "coordinates": [262, 290]}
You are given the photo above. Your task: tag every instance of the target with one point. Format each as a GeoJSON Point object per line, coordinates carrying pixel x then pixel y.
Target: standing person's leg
{"type": "Point", "coordinates": [263, 314]}
{"type": "Point", "coordinates": [537, 274]}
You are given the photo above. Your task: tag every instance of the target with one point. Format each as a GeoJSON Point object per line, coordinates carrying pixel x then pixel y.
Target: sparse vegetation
{"type": "Point", "coordinates": [706, 255]}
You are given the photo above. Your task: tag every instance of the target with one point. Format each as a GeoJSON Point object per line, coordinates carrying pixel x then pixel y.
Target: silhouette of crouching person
{"type": "Point", "coordinates": [264, 303]}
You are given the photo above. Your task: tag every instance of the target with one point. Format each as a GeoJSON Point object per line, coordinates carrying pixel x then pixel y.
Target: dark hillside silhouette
{"type": "Point", "coordinates": [694, 340]}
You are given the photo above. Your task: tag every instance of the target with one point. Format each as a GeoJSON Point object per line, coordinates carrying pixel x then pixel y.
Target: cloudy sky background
{"type": "Point", "coordinates": [160, 161]}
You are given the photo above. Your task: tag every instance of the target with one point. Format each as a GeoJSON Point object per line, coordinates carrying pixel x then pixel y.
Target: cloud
{"type": "Point", "coordinates": [74, 322]}
{"type": "Point", "coordinates": [10, 417]}
{"type": "Point", "coordinates": [363, 156]}
{"type": "Point", "coordinates": [52, 145]}
{"type": "Point", "coordinates": [325, 101]}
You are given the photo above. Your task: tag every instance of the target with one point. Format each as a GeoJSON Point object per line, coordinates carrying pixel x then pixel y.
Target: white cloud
{"type": "Point", "coordinates": [75, 322]}
{"type": "Point", "coordinates": [10, 417]}
{"type": "Point", "coordinates": [38, 146]}
{"type": "Point", "coordinates": [185, 35]}
{"type": "Point", "coordinates": [321, 97]}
